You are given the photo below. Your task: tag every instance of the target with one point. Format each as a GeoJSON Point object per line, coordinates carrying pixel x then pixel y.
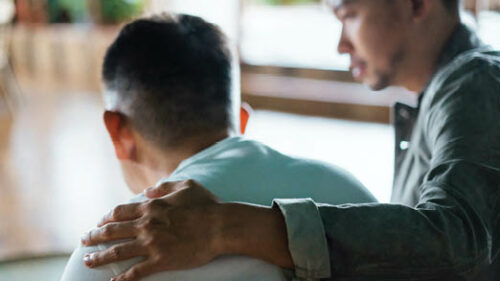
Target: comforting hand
{"type": "Point", "coordinates": [172, 232]}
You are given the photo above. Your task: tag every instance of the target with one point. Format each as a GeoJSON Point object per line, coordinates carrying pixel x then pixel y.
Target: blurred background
{"type": "Point", "coordinates": [54, 153]}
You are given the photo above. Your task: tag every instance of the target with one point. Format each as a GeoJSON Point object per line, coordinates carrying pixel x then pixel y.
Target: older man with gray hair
{"type": "Point", "coordinates": [170, 94]}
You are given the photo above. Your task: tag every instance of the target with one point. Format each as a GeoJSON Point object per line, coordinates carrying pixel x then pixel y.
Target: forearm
{"type": "Point", "coordinates": [382, 240]}
{"type": "Point", "coordinates": [252, 230]}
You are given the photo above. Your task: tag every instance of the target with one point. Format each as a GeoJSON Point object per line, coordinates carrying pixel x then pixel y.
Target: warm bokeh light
{"type": "Point", "coordinates": [58, 172]}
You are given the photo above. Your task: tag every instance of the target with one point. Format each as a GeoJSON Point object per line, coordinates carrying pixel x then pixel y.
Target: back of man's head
{"type": "Point", "coordinates": [170, 75]}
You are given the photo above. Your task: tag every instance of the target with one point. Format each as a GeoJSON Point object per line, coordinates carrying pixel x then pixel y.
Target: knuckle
{"type": "Point", "coordinates": [107, 231]}
{"type": "Point", "coordinates": [115, 252]}
{"type": "Point", "coordinates": [156, 258]}
{"type": "Point", "coordinates": [89, 237]}
{"type": "Point", "coordinates": [190, 183]}
{"type": "Point", "coordinates": [148, 227]}
{"type": "Point", "coordinates": [149, 242]}
{"type": "Point", "coordinates": [159, 250]}
{"type": "Point", "coordinates": [115, 213]}
{"type": "Point", "coordinates": [133, 273]}
{"type": "Point", "coordinates": [155, 203]}
{"type": "Point", "coordinates": [149, 224]}
{"type": "Point", "coordinates": [163, 187]}
{"type": "Point", "coordinates": [155, 235]}
{"type": "Point", "coordinates": [96, 259]}
{"type": "Point", "coordinates": [151, 205]}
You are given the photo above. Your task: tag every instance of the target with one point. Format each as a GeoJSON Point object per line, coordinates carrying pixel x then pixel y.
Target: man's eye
{"type": "Point", "coordinates": [346, 13]}
{"type": "Point", "coordinates": [349, 15]}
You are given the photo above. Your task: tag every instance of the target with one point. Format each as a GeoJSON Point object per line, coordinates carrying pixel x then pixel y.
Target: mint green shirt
{"type": "Point", "coordinates": [237, 169]}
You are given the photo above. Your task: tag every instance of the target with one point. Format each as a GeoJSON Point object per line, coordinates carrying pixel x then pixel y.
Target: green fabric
{"type": "Point", "coordinates": [444, 223]}
{"type": "Point", "coordinates": [305, 239]}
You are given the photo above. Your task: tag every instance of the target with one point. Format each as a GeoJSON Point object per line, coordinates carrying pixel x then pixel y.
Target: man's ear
{"type": "Point", "coordinates": [121, 135]}
{"type": "Point", "coordinates": [420, 8]}
{"type": "Point", "coordinates": [245, 112]}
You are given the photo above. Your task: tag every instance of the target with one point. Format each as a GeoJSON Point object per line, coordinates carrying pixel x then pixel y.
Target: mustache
{"type": "Point", "coordinates": [357, 61]}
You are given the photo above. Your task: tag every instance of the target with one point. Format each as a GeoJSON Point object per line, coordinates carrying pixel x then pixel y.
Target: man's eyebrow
{"type": "Point", "coordinates": [337, 4]}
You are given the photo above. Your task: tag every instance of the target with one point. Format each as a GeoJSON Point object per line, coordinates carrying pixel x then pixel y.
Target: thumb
{"type": "Point", "coordinates": [163, 189]}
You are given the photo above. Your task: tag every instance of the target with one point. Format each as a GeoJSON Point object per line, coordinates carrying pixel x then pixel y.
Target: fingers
{"type": "Point", "coordinates": [136, 272]}
{"type": "Point", "coordinates": [109, 232]}
{"type": "Point", "coordinates": [122, 213]}
{"type": "Point", "coordinates": [118, 252]}
{"type": "Point", "coordinates": [166, 188]}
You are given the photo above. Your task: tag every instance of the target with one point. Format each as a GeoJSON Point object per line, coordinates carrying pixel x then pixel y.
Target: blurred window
{"type": "Point", "coordinates": [301, 33]}
{"type": "Point", "coordinates": [291, 33]}
{"type": "Point", "coordinates": [489, 27]}
{"type": "Point", "coordinates": [304, 33]}
{"type": "Point", "coordinates": [224, 13]}
{"type": "Point", "coordinates": [484, 16]}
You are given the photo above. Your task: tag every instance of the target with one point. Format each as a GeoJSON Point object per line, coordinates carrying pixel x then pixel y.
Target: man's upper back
{"type": "Point", "coordinates": [237, 169]}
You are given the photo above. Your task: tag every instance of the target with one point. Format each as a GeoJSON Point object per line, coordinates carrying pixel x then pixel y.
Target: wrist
{"type": "Point", "coordinates": [218, 228]}
{"type": "Point", "coordinates": [228, 229]}
{"type": "Point", "coordinates": [250, 230]}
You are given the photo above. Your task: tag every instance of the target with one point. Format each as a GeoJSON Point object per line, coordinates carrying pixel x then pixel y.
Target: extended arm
{"type": "Point", "coordinates": [451, 234]}
{"type": "Point", "coordinates": [186, 229]}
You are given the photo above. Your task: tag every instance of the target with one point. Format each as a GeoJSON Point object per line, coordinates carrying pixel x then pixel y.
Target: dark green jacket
{"type": "Point", "coordinates": [444, 223]}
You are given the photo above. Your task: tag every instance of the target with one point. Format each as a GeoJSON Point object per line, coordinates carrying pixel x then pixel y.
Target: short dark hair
{"type": "Point", "coordinates": [174, 72]}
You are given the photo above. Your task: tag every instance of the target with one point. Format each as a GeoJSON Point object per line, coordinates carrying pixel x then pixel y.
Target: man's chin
{"type": "Point", "coordinates": [377, 87]}
{"type": "Point", "coordinates": [376, 84]}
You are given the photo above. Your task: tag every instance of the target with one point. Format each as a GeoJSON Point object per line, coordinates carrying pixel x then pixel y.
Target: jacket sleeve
{"type": "Point", "coordinates": [453, 231]}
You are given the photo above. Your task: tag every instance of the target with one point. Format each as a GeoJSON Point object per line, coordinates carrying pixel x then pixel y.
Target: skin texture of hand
{"type": "Point", "coordinates": [186, 228]}
{"type": "Point", "coordinates": [170, 232]}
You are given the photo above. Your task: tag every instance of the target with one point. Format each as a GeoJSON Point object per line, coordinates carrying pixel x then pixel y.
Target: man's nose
{"type": "Point", "coordinates": [344, 46]}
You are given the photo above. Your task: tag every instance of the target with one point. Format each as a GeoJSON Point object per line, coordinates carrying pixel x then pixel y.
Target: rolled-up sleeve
{"type": "Point", "coordinates": [306, 238]}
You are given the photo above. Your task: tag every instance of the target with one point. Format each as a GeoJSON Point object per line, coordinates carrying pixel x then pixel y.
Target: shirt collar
{"type": "Point", "coordinates": [461, 40]}
{"type": "Point", "coordinates": [207, 153]}
{"type": "Point", "coordinates": [204, 154]}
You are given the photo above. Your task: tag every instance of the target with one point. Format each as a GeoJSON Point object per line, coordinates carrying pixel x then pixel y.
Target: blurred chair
{"type": "Point", "coordinates": [245, 112]}
{"type": "Point", "coordinates": [9, 89]}
{"type": "Point", "coordinates": [42, 268]}
{"type": "Point", "coordinates": [476, 6]}
{"type": "Point", "coordinates": [8, 95]}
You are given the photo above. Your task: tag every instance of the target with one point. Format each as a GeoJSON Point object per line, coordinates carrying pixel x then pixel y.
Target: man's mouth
{"type": "Point", "coordinates": [357, 68]}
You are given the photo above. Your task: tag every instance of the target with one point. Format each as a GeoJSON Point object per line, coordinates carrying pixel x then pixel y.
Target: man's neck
{"type": "Point", "coordinates": [162, 163]}
{"type": "Point", "coordinates": [424, 57]}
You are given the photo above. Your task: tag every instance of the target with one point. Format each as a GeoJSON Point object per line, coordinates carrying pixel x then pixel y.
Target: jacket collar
{"type": "Point", "coordinates": [461, 40]}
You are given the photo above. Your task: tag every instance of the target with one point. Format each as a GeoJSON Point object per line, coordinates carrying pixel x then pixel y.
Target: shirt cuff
{"type": "Point", "coordinates": [306, 238]}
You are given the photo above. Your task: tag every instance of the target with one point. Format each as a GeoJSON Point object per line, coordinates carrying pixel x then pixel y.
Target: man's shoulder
{"type": "Point", "coordinates": [476, 60]}
{"type": "Point", "coordinates": [251, 145]}
{"type": "Point", "coordinates": [463, 96]}
{"type": "Point", "coordinates": [473, 76]}
{"type": "Point", "coordinates": [240, 151]}
{"type": "Point", "coordinates": [260, 173]}
{"type": "Point", "coordinates": [264, 155]}
{"type": "Point", "coordinates": [481, 61]}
